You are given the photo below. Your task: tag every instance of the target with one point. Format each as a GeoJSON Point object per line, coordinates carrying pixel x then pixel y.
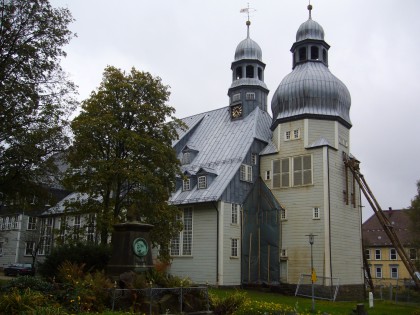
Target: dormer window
{"type": "Point", "coordinates": [202, 182]}
{"type": "Point", "coordinates": [186, 158]}
{"type": "Point", "coordinates": [186, 184]}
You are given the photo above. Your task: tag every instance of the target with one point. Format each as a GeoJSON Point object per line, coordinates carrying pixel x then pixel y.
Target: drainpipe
{"type": "Point", "coordinates": [217, 241]}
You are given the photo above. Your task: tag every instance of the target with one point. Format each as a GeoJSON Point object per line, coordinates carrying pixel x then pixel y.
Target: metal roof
{"type": "Point", "coordinates": [310, 30]}
{"type": "Point", "coordinates": [248, 81]}
{"type": "Point", "coordinates": [311, 89]}
{"type": "Point", "coordinates": [222, 145]}
{"type": "Point", "coordinates": [248, 49]}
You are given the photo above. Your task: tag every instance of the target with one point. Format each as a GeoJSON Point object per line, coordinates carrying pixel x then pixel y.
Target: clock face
{"type": "Point", "coordinates": [236, 111]}
{"type": "Point", "coordinates": [140, 247]}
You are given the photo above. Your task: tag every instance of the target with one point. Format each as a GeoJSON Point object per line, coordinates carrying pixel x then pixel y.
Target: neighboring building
{"type": "Point", "coordinates": [385, 265]}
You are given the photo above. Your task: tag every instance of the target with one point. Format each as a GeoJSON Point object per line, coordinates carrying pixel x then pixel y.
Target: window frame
{"type": "Point", "coordinates": [235, 211]}
{"type": "Point", "coordinates": [393, 255]}
{"type": "Point", "coordinates": [186, 184]}
{"type": "Point", "coordinates": [250, 96]}
{"type": "Point", "coordinates": [316, 213]}
{"type": "Point", "coordinates": [281, 174]}
{"type": "Point", "coordinates": [411, 251]}
{"type": "Point", "coordinates": [283, 214]}
{"type": "Point", "coordinates": [202, 182]}
{"type": "Point", "coordinates": [184, 240]}
{"type": "Point", "coordinates": [32, 221]}
{"type": "Point", "coordinates": [254, 159]}
{"type": "Point", "coordinates": [378, 253]}
{"type": "Point", "coordinates": [393, 274]}
{"type": "Point", "coordinates": [267, 175]}
{"type": "Point", "coordinates": [29, 249]}
{"type": "Point", "coordinates": [246, 173]}
{"type": "Point", "coordinates": [234, 248]}
{"type": "Point", "coordinates": [296, 173]}
{"type": "Point", "coordinates": [367, 254]}
{"type": "Point", "coordinates": [379, 271]}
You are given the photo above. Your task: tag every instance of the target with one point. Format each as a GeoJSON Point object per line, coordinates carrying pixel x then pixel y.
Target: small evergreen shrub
{"type": "Point", "coordinates": [33, 283]}
{"type": "Point", "coordinates": [227, 305]}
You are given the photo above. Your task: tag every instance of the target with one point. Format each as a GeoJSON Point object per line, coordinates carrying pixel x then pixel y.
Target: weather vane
{"type": "Point", "coordinates": [310, 9]}
{"type": "Point", "coordinates": [248, 10]}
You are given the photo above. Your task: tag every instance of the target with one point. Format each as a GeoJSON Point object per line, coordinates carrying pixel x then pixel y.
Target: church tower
{"type": "Point", "coordinates": [303, 166]}
{"type": "Point", "coordinates": [248, 89]}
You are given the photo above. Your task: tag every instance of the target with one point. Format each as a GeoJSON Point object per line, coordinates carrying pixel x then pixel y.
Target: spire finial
{"type": "Point", "coordinates": [247, 10]}
{"type": "Point", "coordinates": [310, 10]}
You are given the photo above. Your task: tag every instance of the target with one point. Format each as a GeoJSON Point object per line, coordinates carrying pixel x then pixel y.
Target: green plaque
{"type": "Point", "coordinates": [140, 247]}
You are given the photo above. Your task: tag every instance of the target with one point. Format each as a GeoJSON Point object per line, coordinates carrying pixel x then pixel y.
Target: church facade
{"type": "Point", "coordinates": [256, 187]}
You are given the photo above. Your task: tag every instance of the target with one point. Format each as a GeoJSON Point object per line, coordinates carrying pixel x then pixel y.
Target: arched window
{"type": "Point", "coordinates": [314, 53]}
{"type": "Point", "coordinates": [260, 73]}
{"type": "Point", "coordinates": [302, 53]}
{"type": "Point", "coordinates": [249, 71]}
{"type": "Point", "coordinates": [238, 73]}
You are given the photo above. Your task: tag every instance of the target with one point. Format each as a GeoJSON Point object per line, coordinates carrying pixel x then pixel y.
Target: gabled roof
{"type": "Point", "coordinates": [222, 145]}
{"type": "Point", "coordinates": [374, 234]}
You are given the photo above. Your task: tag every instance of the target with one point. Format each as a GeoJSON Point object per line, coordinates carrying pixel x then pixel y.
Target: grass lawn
{"type": "Point", "coordinates": [303, 305]}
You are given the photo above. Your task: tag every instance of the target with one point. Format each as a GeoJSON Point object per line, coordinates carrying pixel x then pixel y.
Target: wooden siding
{"type": "Point", "coordinates": [201, 266]}
{"type": "Point", "coordinates": [231, 266]}
{"type": "Point", "coordinates": [345, 220]}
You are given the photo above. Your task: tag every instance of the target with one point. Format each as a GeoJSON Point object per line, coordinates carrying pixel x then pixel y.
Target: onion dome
{"type": "Point", "coordinates": [248, 49]}
{"type": "Point", "coordinates": [311, 90]}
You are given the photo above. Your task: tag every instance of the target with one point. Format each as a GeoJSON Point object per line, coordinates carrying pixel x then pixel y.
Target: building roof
{"type": "Point", "coordinates": [222, 145]}
{"type": "Point", "coordinates": [374, 234]}
{"type": "Point", "coordinates": [310, 30]}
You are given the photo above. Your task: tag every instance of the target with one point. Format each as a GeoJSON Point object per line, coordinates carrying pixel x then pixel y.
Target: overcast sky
{"type": "Point", "coordinates": [190, 44]}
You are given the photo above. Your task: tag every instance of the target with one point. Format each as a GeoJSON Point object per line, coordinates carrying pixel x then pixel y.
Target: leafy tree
{"type": "Point", "coordinates": [122, 160]}
{"type": "Point", "coordinates": [35, 95]}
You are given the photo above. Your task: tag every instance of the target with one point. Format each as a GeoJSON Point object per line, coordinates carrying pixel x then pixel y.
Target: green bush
{"type": "Point", "coordinates": [93, 257]}
{"type": "Point", "coordinates": [33, 283]}
{"type": "Point", "coordinates": [227, 305]}
{"type": "Point", "coordinates": [17, 302]}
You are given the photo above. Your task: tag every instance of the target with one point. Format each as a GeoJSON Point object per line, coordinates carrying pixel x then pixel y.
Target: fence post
{"type": "Point", "coordinates": [150, 298]}
{"type": "Point", "coordinates": [113, 295]}
{"type": "Point", "coordinates": [181, 296]}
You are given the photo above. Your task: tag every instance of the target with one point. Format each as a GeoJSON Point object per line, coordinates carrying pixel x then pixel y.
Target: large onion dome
{"type": "Point", "coordinates": [248, 49]}
{"type": "Point", "coordinates": [311, 90]}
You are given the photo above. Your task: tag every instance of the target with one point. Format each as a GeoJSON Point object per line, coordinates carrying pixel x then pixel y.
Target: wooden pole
{"type": "Point", "coordinates": [259, 254]}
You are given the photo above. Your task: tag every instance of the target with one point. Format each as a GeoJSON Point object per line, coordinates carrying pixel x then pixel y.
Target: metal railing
{"type": "Point", "coordinates": [180, 300]}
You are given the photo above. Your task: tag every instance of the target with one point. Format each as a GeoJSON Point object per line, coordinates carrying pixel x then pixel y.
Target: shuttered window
{"type": "Point", "coordinates": [246, 173]}
{"type": "Point", "coordinates": [302, 170]}
{"type": "Point", "coordinates": [281, 173]}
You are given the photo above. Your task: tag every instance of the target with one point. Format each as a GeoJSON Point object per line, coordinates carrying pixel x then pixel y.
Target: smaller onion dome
{"type": "Point", "coordinates": [310, 30]}
{"type": "Point", "coordinates": [248, 49]}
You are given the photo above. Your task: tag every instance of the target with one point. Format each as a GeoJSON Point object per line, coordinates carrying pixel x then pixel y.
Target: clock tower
{"type": "Point", "coordinates": [248, 89]}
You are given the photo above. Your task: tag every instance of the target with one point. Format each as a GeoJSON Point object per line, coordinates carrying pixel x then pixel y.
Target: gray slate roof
{"type": "Point", "coordinates": [222, 145]}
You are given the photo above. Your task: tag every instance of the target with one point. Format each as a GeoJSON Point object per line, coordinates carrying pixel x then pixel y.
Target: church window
{"type": "Point", "coordinates": [296, 134]}
{"type": "Point", "coordinates": [46, 235]}
{"type": "Point", "coordinates": [235, 212]}
{"type": "Point", "coordinates": [181, 245]}
{"type": "Point", "coordinates": [186, 184]}
{"type": "Point", "coordinates": [249, 71]}
{"type": "Point", "coordinates": [238, 73]}
{"type": "Point", "coordinates": [314, 53]}
{"type": "Point", "coordinates": [283, 214]}
{"type": "Point", "coordinates": [316, 213]}
{"type": "Point", "coordinates": [281, 173]}
{"type": "Point", "coordinates": [253, 159]}
{"type": "Point", "coordinates": [302, 53]}
{"type": "Point", "coordinates": [260, 73]}
{"type": "Point", "coordinates": [236, 97]}
{"type": "Point", "coordinates": [234, 247]}
{"type": "Point", "coordinates": [302, 170]}
{"type": "Point", "coordinates": [367, 254]}
{"type": "Point", "coordinates": [246, 173]}
{"type": "Point", "coordinates": [393, 254]}
{"type": "Point", "coordinates": [202, 182]}
{"type": "Point", "coordinates": [283, 252]}
{"type": "Point", "coordinates": [267, 175]}
{"type": "Point", "coordinates": [287, 135]}
{"type": "Point", "coordinates": [250, 96]}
